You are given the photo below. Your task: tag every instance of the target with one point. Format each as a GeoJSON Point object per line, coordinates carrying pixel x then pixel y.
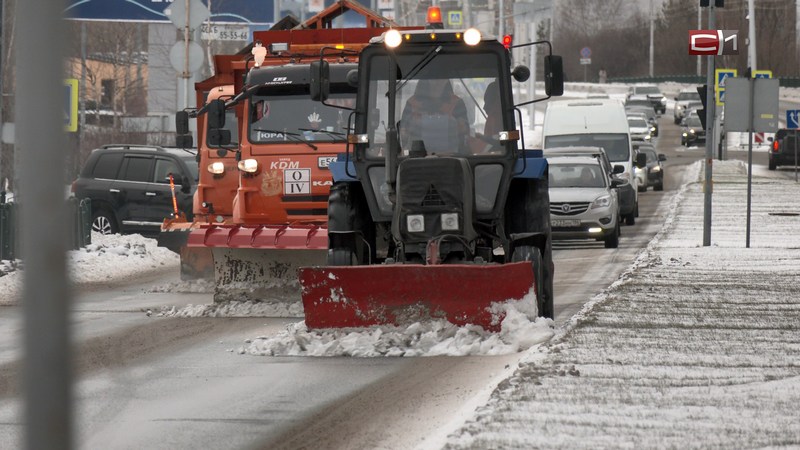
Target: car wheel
{"type": "Point", "coordinates": [103, 222]}
{"type": "Point", "coordinates": [612, 240]}
{"type": "Point", "coordinates": [659, 186]}
{"type": "Point", "coordinates": [630, 219]}
{"type": "Point", "coordinates": [530, 253]}
{"type": "Point", "coordinates": [636, 210]}
{"type": "Point", "coordinates": [772, 165]}
{"type": "Point", "coordinates": [642, 188]}
{"type": "Point", "coordinates": [676, 120]}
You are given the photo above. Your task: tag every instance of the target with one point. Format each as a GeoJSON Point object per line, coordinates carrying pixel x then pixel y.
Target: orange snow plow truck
{"type": "Point", "coordinates": [277, 149]}
{"type": "Point", "coordinates": [435, 210]}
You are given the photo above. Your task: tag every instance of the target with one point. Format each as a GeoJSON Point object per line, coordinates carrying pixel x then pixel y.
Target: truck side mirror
{"type": "Point", "coordinates": [182, 122]}
{"type": "Point", "coordinates": [320, 81]}
{"type": "Point", "coordinates": [216, 114]}
{"type": "Point", "coordinates": [553, 75]}
{"type": "Point", "coordinates": [641, 160]}
{"type": "Point", "coordinates": [184, 141]}
{"type": "Point", "coordinates": [218, 137]}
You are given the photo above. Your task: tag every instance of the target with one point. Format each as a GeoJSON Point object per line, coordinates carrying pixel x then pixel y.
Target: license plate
{"type": "Point", "coordinates": [565, 223]}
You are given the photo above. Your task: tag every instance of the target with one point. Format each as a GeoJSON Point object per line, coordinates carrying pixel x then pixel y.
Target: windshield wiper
{"type": "Point", "coordinates": [333, 134]}
{"type": "Point", "coordinates": [427, 58]}
{"type": "Point", "coordinates": [294, 136]}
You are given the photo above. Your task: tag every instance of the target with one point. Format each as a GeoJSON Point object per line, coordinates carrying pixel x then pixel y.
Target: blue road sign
{"type": "Point", "coordinates": [586, 52]}
{"type": "Point", "coordinates": [793, 118]}
{"type": "Point", "coordinates": [722, 74]}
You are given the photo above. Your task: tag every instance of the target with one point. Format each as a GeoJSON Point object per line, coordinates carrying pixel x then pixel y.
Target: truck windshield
{"type": "Point", "coordinates": [616, 145]}
{"type": "Point", "coordinates": [294, 117]}
{"type": "Point", "coordinates": [452, 105]}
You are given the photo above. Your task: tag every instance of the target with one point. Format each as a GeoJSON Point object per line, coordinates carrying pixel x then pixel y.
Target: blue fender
{"type": "Point", "coordinates": [339, 170]}
{"type": "Point", "coordinates": [534, 165]}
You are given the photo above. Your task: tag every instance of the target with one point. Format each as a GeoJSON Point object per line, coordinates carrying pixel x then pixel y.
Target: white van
{"type": "Point", "coordinates": [596, 123]}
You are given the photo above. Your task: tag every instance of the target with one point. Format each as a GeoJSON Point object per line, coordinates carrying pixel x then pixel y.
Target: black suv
{"type": "Point", "coordinates": [129, 186]}
{"type": "Point", "coordinates": [781, 152]}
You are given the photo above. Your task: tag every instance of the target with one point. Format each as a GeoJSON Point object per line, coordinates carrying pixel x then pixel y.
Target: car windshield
{"type": "Point", "coordinates": [451, 105]}
{"type": "Point", "coordinates": [693, 121]}
{"type": "Point", "coordinates": [616, 146]}
{"type": "Point", "coordinates": [576, 176]}
{"type": "Point", "coordinates": [651, 155]}
{"type": "Point", "coordinates": [647, 90]}
{"type": "Point", "coordinates": [296, 117]}
{"type": "Point", "coordinates": [688, 96]}
{"type": "Point", "coordinates": [637, 122]}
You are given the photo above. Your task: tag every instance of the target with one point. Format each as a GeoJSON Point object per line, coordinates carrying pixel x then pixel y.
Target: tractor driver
{"type": "Point", "coordinates": [435, 117]}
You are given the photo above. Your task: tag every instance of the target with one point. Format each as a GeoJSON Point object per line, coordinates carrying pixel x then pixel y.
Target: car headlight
{"type": "Point", "coordinates": [656, 169]}
{"type": "Point", "coordinates": [653, 129]}
{"type": "Point", "coordinates": [691, 131]}
{"type": "Point", "coordinates": [415, 223]}
{"type": "Point", "coordinates": [678, 107]}
{"type": "Point", "coordinates": [685, 134]}
{"type": "Point", "coordinates": [663, 100]}
{"type": "Point", "coordinates": [604, 201]}
{"type": "Point", "coordinates": [248, 165]}
{"type": "Point", "coordinates": [647, 137]}
{"type": "Point", "coordinates": [450, 221]}
{"type": "Point", "coordinates": [216, 168]}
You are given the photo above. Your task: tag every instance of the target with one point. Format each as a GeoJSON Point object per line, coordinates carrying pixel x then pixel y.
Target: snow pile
{"type": "Point", "coordinates": [693, 347]}
{"type": "Point", "coordinates": [185, 287]}
{"type": "Point", "coordinates": [109, 257]}
{"type": "Point", "coordinates": [430, 338]}
{"type": "Point", "coordinates": [236, 309]}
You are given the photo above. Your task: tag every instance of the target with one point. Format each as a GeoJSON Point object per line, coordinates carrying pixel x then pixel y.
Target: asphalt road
{"type": "Point", "coordinates": [151, 382]}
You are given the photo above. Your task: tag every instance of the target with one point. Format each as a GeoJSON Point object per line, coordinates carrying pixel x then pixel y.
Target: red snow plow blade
{"type": "Point", "coordinates": [362, 296]}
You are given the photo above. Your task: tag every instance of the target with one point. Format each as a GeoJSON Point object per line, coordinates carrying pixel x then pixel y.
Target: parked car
{"type": "Point", "coordinates": [654, 170]}
{"type": "Point", "coordinates": [640, 129]}
{"type": "Point", "coordinates": [583, 201]}
{"type": "Point", "coordinates": [129, 186]}
{"type": "Point", "coordinates": [692, 131]}
{"type": "Point", "coordinates": [648, 114]}
{"type": "Point", "coordinates": [652, 93]}
{"type": "Point", "coordinates": [782, 151]}
{"type": "Point", "coordinates": [684, 98]}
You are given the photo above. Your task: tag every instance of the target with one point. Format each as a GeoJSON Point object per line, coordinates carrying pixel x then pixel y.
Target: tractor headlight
{"type": "Point", "coordinates": [248, 165]}
{"type": "Point", "coordinates": [604, 201]}
{"type": "Point", "coordinates": [415, 223]}
{"type": "Point", "coordinates": [450, 221]}
{"type": "Point", "coordinates": [472, 36]}
{"type": "Point", "coordinates": [216, 168]}
{"type": "Point", "coordinates": [392, 38]}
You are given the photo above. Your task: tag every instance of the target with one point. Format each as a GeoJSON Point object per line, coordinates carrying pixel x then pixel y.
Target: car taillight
{"type": "Point", "coordinates": [775, 146]}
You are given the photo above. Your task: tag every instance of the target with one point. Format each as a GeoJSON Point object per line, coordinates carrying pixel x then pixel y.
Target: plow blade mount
{"type": "Point", "coordinates": [398, 294]}
{"type": "Point", "coordinates": [261, 275]}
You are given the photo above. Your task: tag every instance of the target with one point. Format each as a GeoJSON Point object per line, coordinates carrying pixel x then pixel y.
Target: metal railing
{"type": "Point", "coordinates": [80, 227]}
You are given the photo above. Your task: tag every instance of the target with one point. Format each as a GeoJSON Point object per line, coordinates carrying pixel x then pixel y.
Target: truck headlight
{"type": "Point", "coordinates": [601, 202]}
{"type": "Point", "coordinates": [415, 223]}
{"type": "Point", "coordinates": [216, 168]}
{"type": "Point", "coordinates": [450, 221]}
{"type": "Point", "coordinates": [248, 165]}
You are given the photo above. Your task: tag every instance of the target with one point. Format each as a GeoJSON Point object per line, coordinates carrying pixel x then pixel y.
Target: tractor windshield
{"type": "Point", "coordinates": [296, 117]}
{"type": "Point", "coordinates": [449, 105]}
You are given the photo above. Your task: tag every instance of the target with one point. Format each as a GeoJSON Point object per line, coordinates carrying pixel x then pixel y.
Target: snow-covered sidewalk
{"type": "Point", "coordinates": [694, 347]}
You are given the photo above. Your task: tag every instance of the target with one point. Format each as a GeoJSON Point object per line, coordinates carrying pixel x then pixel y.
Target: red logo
{"type": "Point", "coordinates": [713, 42]}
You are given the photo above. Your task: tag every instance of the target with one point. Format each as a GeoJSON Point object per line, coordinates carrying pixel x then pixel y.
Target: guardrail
{"type": "Point", "coordinates": [80, 227]}
{"type": "Point", "coordinates": [692, 79]}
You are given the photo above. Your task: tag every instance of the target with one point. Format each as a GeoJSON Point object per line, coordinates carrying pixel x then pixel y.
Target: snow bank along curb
{"type": "Point", "coordinates": [697, 348]}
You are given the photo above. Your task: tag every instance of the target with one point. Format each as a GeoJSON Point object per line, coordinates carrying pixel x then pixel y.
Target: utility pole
{"type": "Point", "coordinates": [751, 35]}
{"type": "Point", "coordinates": [710, 106]}
{"type": "Point", "coordinates": [651, 38]}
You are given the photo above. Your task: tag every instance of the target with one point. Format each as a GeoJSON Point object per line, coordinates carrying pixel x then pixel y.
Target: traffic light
{"type": "Point", "coordinates": [703, 91]}
{"type": "Point", "coordinates": [508, 40]}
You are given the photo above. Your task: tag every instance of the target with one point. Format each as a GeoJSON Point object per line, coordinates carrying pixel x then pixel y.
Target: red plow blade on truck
{"type": "Point", "coordinates": [398, 294]}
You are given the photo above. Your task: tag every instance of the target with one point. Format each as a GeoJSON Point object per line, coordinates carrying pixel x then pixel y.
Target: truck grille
{"type": "Point", "coordinates": [568, 208]}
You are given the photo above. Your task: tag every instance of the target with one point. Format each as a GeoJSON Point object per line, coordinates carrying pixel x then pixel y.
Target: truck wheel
{"type": "Point", "coordinates": [544, 304]}
{"type": "Point", "coordinates": [103, 222]}
{"type": "Point", "coordinates": [347, 211]}
{"type": "Point", "coordinates": [341, 257]}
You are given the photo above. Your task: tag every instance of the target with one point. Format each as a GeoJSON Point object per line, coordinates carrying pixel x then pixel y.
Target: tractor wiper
{"type": "Point", "coordinates": [427, 58]}
{"type": "Point", "coordinates": [293, 136]}
{"type": "Point", "coordinates": [334, 134]}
